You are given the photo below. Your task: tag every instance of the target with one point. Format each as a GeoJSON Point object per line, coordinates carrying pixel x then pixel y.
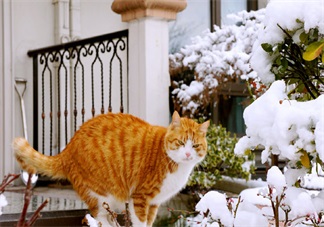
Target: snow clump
{"type": "Point", "coordinates": [3, 202]}
{"type": "Point", "coordinates": [284, 127]}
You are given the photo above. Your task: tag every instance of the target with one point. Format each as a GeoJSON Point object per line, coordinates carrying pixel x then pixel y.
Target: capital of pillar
{"type": "Point", "coordinates": [136, 9]}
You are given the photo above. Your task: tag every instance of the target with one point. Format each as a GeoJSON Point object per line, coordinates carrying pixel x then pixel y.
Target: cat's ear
{"type": "Point", "coordinates": [176, 120]}
{"type": "Point", "coordinates": [204, 127]}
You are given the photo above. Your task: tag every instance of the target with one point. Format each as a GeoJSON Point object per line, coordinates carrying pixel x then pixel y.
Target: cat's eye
{"type": "Point", "coordinates": [181, 143]}
{"type": "Point", "coordinates": [195, 145]}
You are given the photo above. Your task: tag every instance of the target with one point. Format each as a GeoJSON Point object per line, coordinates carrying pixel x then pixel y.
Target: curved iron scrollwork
{"type": "Point", "coordinates": [74, 79]}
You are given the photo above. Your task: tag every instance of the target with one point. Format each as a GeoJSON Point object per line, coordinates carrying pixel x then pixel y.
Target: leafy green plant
{"type": "Point", "coordinates": [297, 60]}
{"type": "Point", "coordinates": [220, 160]}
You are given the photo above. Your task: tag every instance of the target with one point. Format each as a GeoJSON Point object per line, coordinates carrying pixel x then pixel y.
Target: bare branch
{"type": "Point", "coordinates": [112, 213]}
{"type": "Point", "coordinates": [7, 180]}
{"type": "Point", "coordinates": [37, 214]}
{"type": "Point", "coordinates": [27, 197]}
{"type": "Point", "coordinates": [127, 216]}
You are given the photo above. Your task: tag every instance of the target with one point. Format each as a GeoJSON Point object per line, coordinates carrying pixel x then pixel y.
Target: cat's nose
{"type": "Point", "coordinates": [188, 154]}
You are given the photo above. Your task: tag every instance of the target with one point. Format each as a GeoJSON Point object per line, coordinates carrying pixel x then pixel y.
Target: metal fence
{"type": "Point", "coordinates": [75, 81]}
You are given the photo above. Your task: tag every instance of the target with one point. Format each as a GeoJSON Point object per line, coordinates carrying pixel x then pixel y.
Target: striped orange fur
{"type": "Point", "coordinates": [118, 157]}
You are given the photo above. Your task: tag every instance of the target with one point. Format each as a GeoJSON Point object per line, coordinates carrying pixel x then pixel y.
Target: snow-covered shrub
{"type": "Point", "coordinates": [288, 128]}
{"type": "Point", "coordinates": [220, 160]}
{"type": "Point", "coordinates": [285, 127]}
{"type": "Point", "coordinates": [290, 50]}
{"type": "Point", "coordinates": [290, 205]}
{"type": "Point", "coordinates": [214, 58]}
{"type": "Point", "coordinates": [291, 47]}
{"type": "Point", "coordinates": [279, 204]}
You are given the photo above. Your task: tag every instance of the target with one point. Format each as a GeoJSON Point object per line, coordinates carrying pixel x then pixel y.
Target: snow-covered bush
{"type": "Point", "coordinates": [220, 161]}
{"type": "Point", "coordinates": [288, 128]}
{"type": "Point", "coordinates": [279, 204]}
{"type": "Point", "coordinates": [290, 47]}
{"type": "Point", "coordinates": [285, 127]}
{"type": "Point", "coordinates": [214, 58]}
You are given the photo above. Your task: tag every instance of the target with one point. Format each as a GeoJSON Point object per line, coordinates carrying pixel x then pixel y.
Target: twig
{"type": "Point", "coordinates": [37, 214]}
{"type": "Point", "coordinates": [127, 216]}
{"type": "Point", "coordinates": [6, 181]}
{"type": "Point", "coordinates": [112, 213]}
{"type": "Point", "coordinates": [237, 205]}
{"type": "Point", "coordinates": [27, 197]}
{"type": "Point", "coordinates": [183, 212]}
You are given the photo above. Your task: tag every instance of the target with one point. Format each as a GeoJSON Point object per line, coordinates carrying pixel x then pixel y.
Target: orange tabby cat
{"type": "Point", "coordinates": [116, 158]}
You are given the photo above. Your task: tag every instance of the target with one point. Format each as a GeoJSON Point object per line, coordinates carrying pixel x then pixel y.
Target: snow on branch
{"type": "Point", "coordinates": [288, 128]}
{"type": "Point", "coordinates": [213, 58]}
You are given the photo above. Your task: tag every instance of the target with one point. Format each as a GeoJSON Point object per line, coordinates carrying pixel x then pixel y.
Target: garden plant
{"type": "Point", "coordinates": [286, 121]}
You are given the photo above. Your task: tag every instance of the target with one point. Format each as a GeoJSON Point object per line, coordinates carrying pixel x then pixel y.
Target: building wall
{"type": "Point", "coordinates": [32, 24]}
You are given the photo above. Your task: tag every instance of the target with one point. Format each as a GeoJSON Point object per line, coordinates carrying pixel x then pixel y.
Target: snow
{"type": "Point", "coordinates": [293, 175]}
{"type": "Point", "coordinates": [310, 13]}
{"type": "Point", "coordinates": [255, 205]}
{"type": "Point", "coordinates": [276, 179]}
{"type": "Point", "coordinates": [3, 202]}
{"type": "Point", "coordinates": [283, 126]}
{"type": "Point", "coordinates": [300, 202]}
{"type": "Point", "coordinates": [249, 215]}
{"type": "Point", "coordinates": [91, 221]}
{"type": "Point", "coordinates": [319, 135]}
{"type": "Point", "coordinates": [216, 203]}
{"type": "Point", "coordinates": [255, 196]}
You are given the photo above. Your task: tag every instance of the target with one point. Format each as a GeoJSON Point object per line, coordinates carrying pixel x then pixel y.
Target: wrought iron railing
{"type": "Point", "coordinates": [73, 82]}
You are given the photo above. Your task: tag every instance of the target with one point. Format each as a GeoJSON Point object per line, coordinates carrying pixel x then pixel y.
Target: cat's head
{"type": "Point", "coordinates": [185, 141]}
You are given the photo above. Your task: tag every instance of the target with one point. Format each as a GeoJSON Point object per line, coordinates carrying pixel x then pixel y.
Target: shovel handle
{"type": "Point", "coordinates": [22, 103]}
{"type": "Point", "coordinates": [20, 81]}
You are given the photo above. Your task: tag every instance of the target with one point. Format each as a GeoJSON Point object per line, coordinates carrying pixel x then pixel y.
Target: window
{"type": "Point", "coordinates": [191, 22]}
{"type": "Point", "coordinates": [233, 96]}
{"type": "Point", "coordinates": [220, 8]}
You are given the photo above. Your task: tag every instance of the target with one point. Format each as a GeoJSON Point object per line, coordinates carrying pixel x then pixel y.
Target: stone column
{"type": "Point", "coordinates": [149, 78]}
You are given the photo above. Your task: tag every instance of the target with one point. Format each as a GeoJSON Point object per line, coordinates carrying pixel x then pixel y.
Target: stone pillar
{"type": "Point", "coordinates": [149, 78]}
{"type": "Point", "coordinates": [7, 99]}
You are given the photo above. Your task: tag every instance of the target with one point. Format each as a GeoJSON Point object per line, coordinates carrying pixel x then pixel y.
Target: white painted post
{"type": "Point", "coordinates": [149, 78]}
{"type": "Point", "coordinates": [148, 70]}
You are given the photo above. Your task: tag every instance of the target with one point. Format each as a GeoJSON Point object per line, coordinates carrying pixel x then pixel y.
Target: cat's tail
{"type": "Point", "coordinates": [34, 162]}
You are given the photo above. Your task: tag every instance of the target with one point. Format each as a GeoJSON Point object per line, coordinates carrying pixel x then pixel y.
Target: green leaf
{"type": "Point", "coordinates": [267, 47]}
{"type": "Point", "coordinates": [313, 50]}
{"type": "Point", "coordinates": [303, 37]}
{"type": "Point", "coordinates": [299, 21]}
{"type": "Point", "coordinates": [284, 63]}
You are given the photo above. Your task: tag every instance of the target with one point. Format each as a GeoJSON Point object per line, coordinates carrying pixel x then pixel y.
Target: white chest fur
{"type": "Point", "coordinates": [173, 183]}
